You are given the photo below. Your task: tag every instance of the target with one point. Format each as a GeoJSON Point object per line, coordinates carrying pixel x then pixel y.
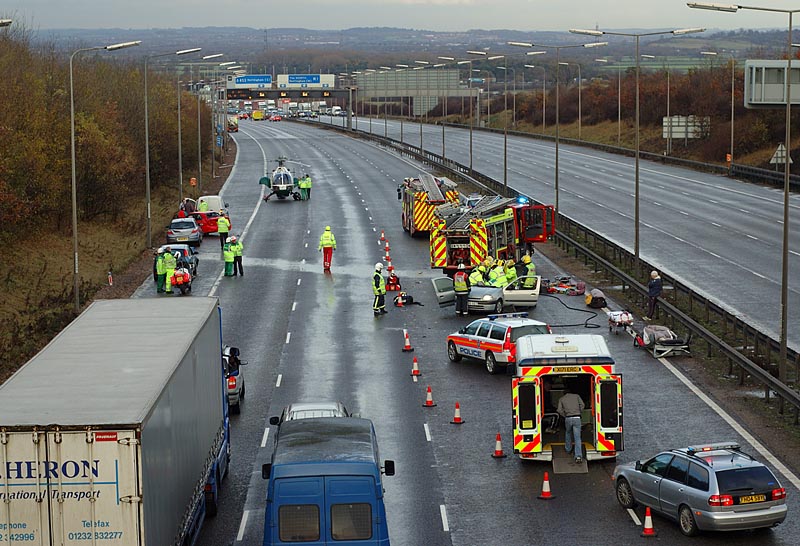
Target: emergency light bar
{"type": "Point", "coordinates": [508, 315]}
{"type": "Point", "coordinates": [713, 447]}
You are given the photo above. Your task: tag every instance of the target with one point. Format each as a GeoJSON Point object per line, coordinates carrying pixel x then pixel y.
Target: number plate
{"type": "Point", "coordinates": [183, 238]}
{"type": "Point", "coordinates": [748, 499]}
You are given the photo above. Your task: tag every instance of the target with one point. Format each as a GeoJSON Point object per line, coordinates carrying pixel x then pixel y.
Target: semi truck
{"type": "Point", "coordinates": [117, 431]}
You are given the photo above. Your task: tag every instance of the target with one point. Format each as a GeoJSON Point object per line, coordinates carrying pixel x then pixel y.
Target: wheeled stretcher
{"type": "Point", "coordinates": [662, 341]}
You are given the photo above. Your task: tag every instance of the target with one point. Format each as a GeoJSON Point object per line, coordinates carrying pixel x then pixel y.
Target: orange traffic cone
{"type": "Point", "coordinates": [457, 420]}
{"type": "Point", "coordinates": [648, 530]}
{"type": "Point", "coordinates": [415, 368]}
{"type": "Point", "coordinates": [407, 348]}
{"type": "Point", "coordinates": [386, 247]}
{"type": "Point", "coordinates": [546, 494]}
{"type": "Point", "coordinates": [386, 256]}
{"type": "Point", "coordinates": [429, 403]}
{"type": "Point", "coordinates": [498, 448]}
{"type": "Point", "coordinates": [389, 266]}
{"type": "Point", "coordinates": [398, 300]}
{"type": "Point", "coordinates": [383, 237]}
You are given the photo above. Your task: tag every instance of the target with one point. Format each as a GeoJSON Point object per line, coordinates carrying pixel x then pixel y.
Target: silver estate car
{"type": "Point", "coordinates": [712, 487]}
{"type": "Point", "coordinates": [184, 230]}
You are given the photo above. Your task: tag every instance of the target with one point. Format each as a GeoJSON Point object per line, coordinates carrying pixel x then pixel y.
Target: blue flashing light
{"type": "Point", "coordinates": [522, 200]}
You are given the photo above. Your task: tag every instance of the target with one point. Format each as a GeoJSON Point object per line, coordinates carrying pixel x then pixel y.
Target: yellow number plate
{"type": "Point", "coordinates": [183, 238]}
{"type": "Point", "coordinates": [752, 498]}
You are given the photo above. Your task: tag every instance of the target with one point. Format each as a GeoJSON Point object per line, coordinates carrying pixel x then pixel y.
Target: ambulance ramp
{"type": "Point", "coordinates": [564, 463]}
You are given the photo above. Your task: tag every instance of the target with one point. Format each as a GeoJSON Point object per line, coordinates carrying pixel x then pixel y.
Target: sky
{"type": "Point", "coordinates": [440, 15]}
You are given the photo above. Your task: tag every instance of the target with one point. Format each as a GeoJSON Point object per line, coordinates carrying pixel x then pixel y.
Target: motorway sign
{"type": "Point", "coordinates": [779, 157]}
{"type": "Point", "coordinates": [219, 141]}
{"type": "Point", "coordinates": [255, 79]}
{"type": "Point", "coordinates": [305, 79]}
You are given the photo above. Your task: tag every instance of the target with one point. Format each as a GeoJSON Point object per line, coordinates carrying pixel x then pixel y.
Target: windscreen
{"type": "Point", "coordinates": [283, 179]}
{"type": "Point", "coordinates": [182, 225]}
{"type": "Point", "coordinates": [738, 480]}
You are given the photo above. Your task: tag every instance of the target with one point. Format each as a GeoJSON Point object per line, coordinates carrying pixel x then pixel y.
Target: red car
{"type": "Point", "coordinates": [243, 115]}
{"type": "Point", "coordinates": [275, 117]}
{"type": "Point", "coordinates": [207, 220]}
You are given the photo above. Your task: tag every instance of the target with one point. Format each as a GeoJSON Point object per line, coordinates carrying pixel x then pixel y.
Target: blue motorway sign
{"type": "Point", "coordinates": [219, 141]}
{"type": "Point", "coordinates": [304, 78]}
{"type": "Point", "coordinates": [255, 79]}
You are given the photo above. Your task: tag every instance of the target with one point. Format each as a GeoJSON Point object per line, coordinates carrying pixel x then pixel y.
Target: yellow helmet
{"type": "Point", "coordinates": [482, 268]}
{"type": "Point", "coordinates": [526, 259]}
{"type": "Point", "coordinates": [499, 263]}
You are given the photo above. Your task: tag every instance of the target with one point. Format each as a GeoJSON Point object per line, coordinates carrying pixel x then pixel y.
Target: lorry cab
{"type": "Point", "coordinates": [325, 485]}
{"type": "Point", "coordinates": [547, 367]}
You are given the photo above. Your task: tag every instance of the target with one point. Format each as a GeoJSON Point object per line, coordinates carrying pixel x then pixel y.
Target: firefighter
{"type": "Point", "coordinates": [169, 268]}
{"type": "Point", "coordinates": [161, 272]}
{"type": "Point", "coordinates": [223, 227]}
{"type": "Point", "coordinates": [238, 251]}
{"type": "Point", "coordinates": [497, 276]}
{"type": "Point", "coordinates": [228, 255]}
{"type": "Point", "coordinates": [530, 272]}
{"type": "Point", "coordinates": [461, 286]}
{"type": "Point", "coordinates": [476, 278]}
{"type": "Point", "coordinates": [327, 244]}
{"type": "Point", "coordinates": [379, 291]}
{"type": "Point", "coordinates": [511, 272]}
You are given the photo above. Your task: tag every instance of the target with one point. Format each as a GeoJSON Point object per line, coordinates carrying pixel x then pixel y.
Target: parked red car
{"type": "Point", "coordinates": [207, 220]}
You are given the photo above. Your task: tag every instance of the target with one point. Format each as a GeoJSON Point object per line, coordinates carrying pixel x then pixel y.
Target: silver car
{"type": "Point", "coordinates": [712, 487]}
{"type": "Point", "coordinates": [184, 230]}
{"type": "Point", "coordinates": [234, 377]}
{"type": "Point", "coordinates": [490, 299]}
{"type": "Point", "coordinates": [309, 410]}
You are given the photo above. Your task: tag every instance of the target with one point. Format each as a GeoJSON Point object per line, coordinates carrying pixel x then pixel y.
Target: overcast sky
{"type": "Point", "coordinates": [453, 15]}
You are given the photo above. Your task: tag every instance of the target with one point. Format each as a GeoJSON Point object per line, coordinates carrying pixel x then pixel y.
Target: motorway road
{"type": "Point", "coordinates": [311, 336]}
{"type": "Point", "coordinates": [722, 236]}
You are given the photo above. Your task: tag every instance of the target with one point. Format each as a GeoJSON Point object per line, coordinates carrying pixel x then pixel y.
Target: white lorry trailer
{"type": "Point", "coordinates": [116, 432]}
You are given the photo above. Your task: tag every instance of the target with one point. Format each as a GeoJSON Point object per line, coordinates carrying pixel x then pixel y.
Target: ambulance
{"type": "Point", "coordinates": [549, 365]}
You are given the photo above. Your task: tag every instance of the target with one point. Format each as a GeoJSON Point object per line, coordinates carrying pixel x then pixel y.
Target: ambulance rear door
{"type": "Point", "coordinates": [527, 403]}
{"type": "Point", "coordinates": [608, 412]}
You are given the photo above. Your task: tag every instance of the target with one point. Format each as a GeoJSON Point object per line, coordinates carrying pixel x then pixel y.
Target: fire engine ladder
{"type": "Point", "coordinates": [430, 186]}
{"type": "Point", "coordinates": [486, 207]}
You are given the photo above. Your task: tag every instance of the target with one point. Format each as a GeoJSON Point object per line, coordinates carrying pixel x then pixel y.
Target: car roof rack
{"type": "Point", "coordinates": [508, 315]}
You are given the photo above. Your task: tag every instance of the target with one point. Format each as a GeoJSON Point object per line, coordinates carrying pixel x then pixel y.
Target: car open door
{"type": "Point", "coordinates": [518, 295]}
{"type": "Point", "coordinates": [445, 293]}
{"type": "Point", "coordinates": [608, 413]}
{"type": "Point", "coordinates": [528, 412]}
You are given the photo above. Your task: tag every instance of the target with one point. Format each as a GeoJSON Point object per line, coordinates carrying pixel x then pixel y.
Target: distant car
{"type": "Point", "coordinates": [243, 115]}
{"type": "Point", "coordinates": [207, 220]}
{"type": "Point", "coordinates": [712, 487]}
{"type": "Point", "coordinates": [309, 410]}
{"type": "Point", "coordinates": [276, 117]}
{"type": "Point", "coordinates": [189, 257]}
{"type": "Point", "coordinates": [493, 339]}
{"type": "Point", "coordinates": [490, 299]}
{"type": "Point", "coordinates": [234, 377]}
{"type": "Point", "coordinates": [184, 230]}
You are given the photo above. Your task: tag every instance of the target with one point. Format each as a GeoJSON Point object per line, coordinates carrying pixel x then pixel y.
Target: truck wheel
{"type": "Point", "coordinates": [452, 352]}
{"type": "Point", "coordinates": [625, 494]}
{"type": "Point", "coordinates": [211, 504]}
{"type": "Point", "coordinates": [491, 363]}
{"type": "Point", "coordinates": [237, 409]}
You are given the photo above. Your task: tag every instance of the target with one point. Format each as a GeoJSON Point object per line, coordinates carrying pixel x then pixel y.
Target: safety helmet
{"type": "Point", "coordinates": [327, 228]}
{"type": "Point", "coordinates": [222, 211]}
{"type": "Point", "coordinates": [461, 266]}
{"type": "Point", "coordinates": [234, 238]}
{"type": "Point", "coordinates": [482, 268]}
{"type": "Point", "coordinates": [379, 266]}
{"type": "Point", "coordinates": [161, 251]}
{"type": "Point", "coordinates": [499, 263]}
{"type": "Point", "coordinates": [526, 259]}
{"type": "Point", "coordinates": [228, 240]}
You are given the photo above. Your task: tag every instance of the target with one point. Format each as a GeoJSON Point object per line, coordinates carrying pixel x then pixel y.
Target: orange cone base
{"type": "Point", "coordinates": [547, 496]}
{"type": "Point", "coordinates": [649, 533]}
{"type": "Point", "coordinates": [499, 455]}
{"type": "Point", "coordinates": [460, 421]}
{"type": "Point", "coordinates": [408, 349]}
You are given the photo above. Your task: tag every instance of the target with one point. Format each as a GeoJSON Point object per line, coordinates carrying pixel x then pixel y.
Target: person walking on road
{"type": "Point", "coordinates": [238, 251]}
{"type": "Point", "coordinates": [379, 291]}
{"type": "Point", "coordinates": [161, 273]}
{"type": "Point", "coordinates": [228, 255]}
{"type": "Point", "coordinates": [570, 407]}
{"type": "Point", "coordinates": [223, 228]}
{"type": "Point", "coordinates": [170, 263]}
{"type": "Point", "coordinates": [327, 244]}
{"type": "Point", "coordinates": [462, 287]}
{"type": "Point", "coordinates": [654, 288]}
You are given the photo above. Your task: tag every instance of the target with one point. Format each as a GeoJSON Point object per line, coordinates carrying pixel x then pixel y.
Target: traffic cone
{"type": "Point", "coordinates": [415, 368]}
{"type": "Point", "coordinates": [457, 420]}
{"type": "Point", "coordinates": [648, 530]}
{"type": "Point", "coordinates": [386, 256]}
{"type": "Point", "coordinates": [429, 403]}
{"type": "Point", "coordinates": [110, 279]}
{"type": "Point", "coordinates": [546, 494]}
{"type": "Point", "coordinates": [398, 300]}
{"type": "Point", "coordinates": [407, 348]}
{"type": "Point", "coordinates": [389, 266]}
{"type": "Point", "coordinates": [498, 448]}
{"type": "Point", "coordinates": [386, 247]}
{"type": "Point", "coordinates": [383, 237]}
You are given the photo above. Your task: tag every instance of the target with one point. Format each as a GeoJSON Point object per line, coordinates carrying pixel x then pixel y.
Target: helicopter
{"type": "Point", "coordinates": [282, 183]}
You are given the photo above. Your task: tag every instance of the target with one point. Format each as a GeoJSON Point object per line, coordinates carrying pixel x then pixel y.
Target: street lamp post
{"type": "Point", "coordinates": [514, 93]}
{"type": "Point", "coordinates": [424, 64]}
{"type": "Point", "coordinates": [471, 117]}
{"type": "Point", "coordinates": [558, 71]}
{"type": "Point", "coordinates": [677, 32]}
{"type": "Point", "coordinates": [785, 256]}
{"type": "Point", "coordinates": [386, 70]}
{"type": "Point", "coordinates": [544, 92]}
{"type": "Point", "coordinates": [580, 114]}
{"type": "Point", "coordinates": [113, 47]}
{"type": "Point", "coordinates": [446, 100]}
{"type": "Point", "coordinates": [403, 68]}
{"type": "Point", "coordinates": [669, 118]}
{"type": "Point", "coordinates": [619, 99]}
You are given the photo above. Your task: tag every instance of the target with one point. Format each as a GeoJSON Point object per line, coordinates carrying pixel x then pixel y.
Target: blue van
{"type": "Point", "coordinates": [325, 485]}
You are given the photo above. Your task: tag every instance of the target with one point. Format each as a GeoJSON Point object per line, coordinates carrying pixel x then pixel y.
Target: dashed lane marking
{"type": "Point", "coordinates": [445, 523]}
{"type": "Point", "coordinates": [242, 525]}
{"type": "Point", "coordinates": [427, 432]}
{"type": "Point", "coordinates": [299, 281]}
{"type": "Point", "coordinates": [278, 381]}
{"type": "Point", "coordinates": [634, 517]}
{"type": "Point", "coordinates": [294, 306]}
{"type": "Point", "coordinates": [264, 437]}
{"type": "Point", "coordinates": [288, 337]}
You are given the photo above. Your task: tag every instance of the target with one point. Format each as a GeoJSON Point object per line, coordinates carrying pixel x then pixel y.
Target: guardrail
{"type": "Point", "coordinates": [617, 261]}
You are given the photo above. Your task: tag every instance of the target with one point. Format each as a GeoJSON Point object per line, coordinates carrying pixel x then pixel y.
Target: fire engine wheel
{"type": "Point", "coordinates": [491, 363]}
{"type": "Point", "coordinates": [403, 221]}
{"type": "Point", "coordinates": [686, 521]}
{"type": "Point", "coordinates": [452, 353]}
{"type": "Point", "coordinates": [625, 494]}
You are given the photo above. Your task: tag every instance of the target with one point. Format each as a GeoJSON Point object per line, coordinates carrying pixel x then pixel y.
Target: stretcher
{"type": "Point", "coordinates": [662, 341]}
{"type": "Point", "coordinates": [620, 319]}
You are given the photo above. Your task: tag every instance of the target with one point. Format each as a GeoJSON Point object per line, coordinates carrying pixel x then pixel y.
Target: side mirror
{"type": "Point", "coordinates": [638, 466]}
{"type": "Point", "coordinates": [266, 469]}
{"type": "Point", "coordinates": [226, 205]}
{"type": "Point", "coordinates": [243, 363]}
{"type": "Point", "coordinates": [388, 467]}
{"type": "Point", "coordinates": [462, 330]}
{"type": "Point", "coordinates": [274, 421]}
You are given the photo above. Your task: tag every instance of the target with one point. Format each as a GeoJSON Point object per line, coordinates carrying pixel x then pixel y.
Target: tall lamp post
{"type": "Point", "coordinates": [446, 100]}
{"type": "Point", "coordinates": [424, 64]}
{"type": "Point", "coordinates": [558, 71]}
{"type": "Point", "coordinates": [113, 47]}
{"type": "Point", "coordinates": [580, 114]}
{"type": "Point", "coordinates": [619, 99]}
{"type": "Point", "coordinates": [403, 68]}
{"type": "Point", "coordinates": [505, 70]}
{"type": "Point", "coordinates": [787, 144]}
{"type": "Point", "coordinates": [544, 91]}
{"type": "Point", "coordinates": [147, 134]}
{"type": "Point", "coordinates": [471, 117]}
{"type": "Point", "coordinates": [677, 32]}
{"type": "Point", "coordinates": [386, 70]}
{"type": "Point", "coordinates": [669, 118]}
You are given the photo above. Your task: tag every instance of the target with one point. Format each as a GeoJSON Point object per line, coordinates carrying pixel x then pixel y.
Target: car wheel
{"type": "Point", "coordinates": [625, 494]}
{"type": "Point", "coordinates": [498, 307]}
{"type": "Point", "coordinates": [686, 521]}
{"type": "Point", "coordinates": [491, 363]}
{"type": "Point", "coordinates": [237, 409]}
{"type": "Point", "coordinates": [241, 394]}
{"type": "Point", "coordinates": [452, 353]}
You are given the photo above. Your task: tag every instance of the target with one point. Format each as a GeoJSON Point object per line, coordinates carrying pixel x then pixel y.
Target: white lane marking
{"type": "Point", "coordinates": [712, 201]}
{"type": "Point", "coordinates": [373, 229]}
{"type": "Point", "coordinates": [758, 446]}
{"type": "Point", "coordinates": [795, 253]}
{"type": "Point", "coordinates": [242, 525]}
{"type": "Point", "coordinates": [280, 378]}
{"type": "Point", "coordinates": [264, 437]}
{"type": "Point", "coordinates": [306, 245]}
{"type": "Point", "coordinates": [657, 204]}
{"type": "Point", "coordinates": [308, 232]}
{"type": "Point", "coordinates": [634, 517]}
{"type": "Point", "coordinates": [716, 224]}
{"type": "Point", "coordinates": [754, 238]}
{"type": "Point", "coordinates": [298, 281]}
{"type": "Point", "coordinates": [744, 211]}
{"type": "Point", "coordinates": [684, 213]}
{"type": "Point", "coordinates": [445, 524]}
{"type": "Point", "coordinates": [427, 432]}
{"type": "Point", "coordinates": [288, 337]}
{"type": "Point", "coordinates": [294, 306]}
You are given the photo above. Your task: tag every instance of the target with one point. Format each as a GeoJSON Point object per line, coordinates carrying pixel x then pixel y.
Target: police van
{"type": "Point", "coordinates": [547, 367]}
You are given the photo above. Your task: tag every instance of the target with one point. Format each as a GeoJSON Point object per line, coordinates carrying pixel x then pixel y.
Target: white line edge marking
{"type": "Point", "coordinates": [242, 525]}
{"type": "Point", "coordinates": [298, 281]}
{"type": "Point", "coordinates": [280, 378]}
{"type": "Point", "coordinates": [264, 437]}
{"type": "Point", "coordinates": [758, 446]}
{"type": "Point", "coordinates": [294, 305]}
{"type": "Point", "coordinates": [445, 524]}
{"type": "Point", "coordinates": [288, 337]}
{"type": "Point", "coordinates": [634, 517]}
{"type": "Point", "coordinates": [427, 432]}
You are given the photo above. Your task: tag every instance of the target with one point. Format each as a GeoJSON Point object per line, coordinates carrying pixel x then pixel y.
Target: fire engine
{"type": "Point", "coordinates": [420, 196]}
{"type": "Point", "coordinates": [497, 227]}
{"type": "Point", "coordinates": [549, 365]}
